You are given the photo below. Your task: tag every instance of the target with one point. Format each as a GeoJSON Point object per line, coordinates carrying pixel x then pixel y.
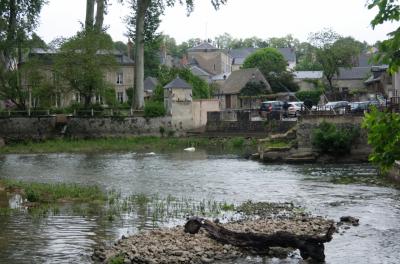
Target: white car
{"type": "Point", "coordinates": [295, 108]}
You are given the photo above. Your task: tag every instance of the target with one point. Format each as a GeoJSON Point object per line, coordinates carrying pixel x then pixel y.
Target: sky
{"type": "Point", "coordinates": [239, 18]}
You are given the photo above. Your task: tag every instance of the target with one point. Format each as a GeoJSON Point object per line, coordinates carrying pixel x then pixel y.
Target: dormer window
{"type": "Point", "coordinates": [120, 78]}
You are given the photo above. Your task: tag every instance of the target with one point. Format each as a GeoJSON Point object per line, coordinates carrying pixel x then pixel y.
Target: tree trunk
{"type": "Point", "coordinates": [89, 14]}
{"type": "Point", "coordinates": [98, 26]}
{"type": "Point", "coordinates": [138, 100]}
{"type": "Point", "coordinates": [309, 246]}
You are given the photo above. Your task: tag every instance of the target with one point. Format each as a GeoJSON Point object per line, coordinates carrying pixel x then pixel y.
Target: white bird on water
{"type": "Point", "coordinates": [191, 149]}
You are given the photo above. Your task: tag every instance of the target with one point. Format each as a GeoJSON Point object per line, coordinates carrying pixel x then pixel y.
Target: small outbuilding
{"type": "Point", "coordinates": [232, 88]}
{"type": "Point", "coordinates": [178, 103]}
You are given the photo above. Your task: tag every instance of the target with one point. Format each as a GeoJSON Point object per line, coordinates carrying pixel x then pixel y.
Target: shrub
{"type": "Point", "coordinates": [333, 141]}
{"type": "Point", "coordinates": [384, 137]}
{"type": "Point", "coordinates": [154, 109]}
{"type": "Point", "coordinates": [310, 95]}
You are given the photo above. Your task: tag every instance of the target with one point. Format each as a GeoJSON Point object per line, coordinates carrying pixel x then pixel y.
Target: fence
{"type": "Point", "coordinates": [92, 112]}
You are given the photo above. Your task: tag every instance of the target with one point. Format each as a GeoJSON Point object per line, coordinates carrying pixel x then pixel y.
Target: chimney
{"type": "Point", "coordinates": [130, 49]}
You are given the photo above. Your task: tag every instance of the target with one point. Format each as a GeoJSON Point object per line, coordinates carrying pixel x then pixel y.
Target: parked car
{"type": "Point", "coordinates": [295, 108]}
{"type": "Point", "coordinates": [338, 106]}
{"type": "Point", "coordinates": [269, 107]}
{"type": "Point", "coordinates": [359, 107]}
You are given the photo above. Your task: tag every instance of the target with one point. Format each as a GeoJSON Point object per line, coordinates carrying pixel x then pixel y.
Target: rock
{"type": "Point", "coordinates": [350, 220]}
{"type": "Point", "coordinates": [206, 260]}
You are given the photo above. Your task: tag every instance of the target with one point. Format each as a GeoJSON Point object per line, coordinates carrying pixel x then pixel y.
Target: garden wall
{"type": "Point", "coordinates": [26, 128]}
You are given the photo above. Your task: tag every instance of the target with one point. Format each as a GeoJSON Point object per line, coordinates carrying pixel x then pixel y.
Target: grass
{"type": "Point", "coordinates": [277, 144]}
{"type": "Point", "coordinates": [140, 143]}
{"type": "Point", "coordinates": [51, 193]}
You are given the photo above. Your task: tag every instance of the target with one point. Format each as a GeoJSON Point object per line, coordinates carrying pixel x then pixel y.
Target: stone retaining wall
{"type": "Point", "coordinates": [115, 127]}
{"type": "Point", "coordinates": [34, 128]}
{"type": "Point", "coordinates": [240, 122]}
{"type": "Point", "coordinates": [307, 124]}
{"type": "Point", "coordinates": [21, 128]}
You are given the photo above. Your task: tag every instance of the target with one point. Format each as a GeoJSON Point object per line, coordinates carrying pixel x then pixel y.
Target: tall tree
{"type": "Point", "coordinates": [333, 52]}
{"type": "Point", "coordinates": [273, 66]}
{"type": "Point", "coordinates": [18, 19]}
{"type": "Point", "coordinates": [389, 10]}
{"type": "Point", "coordinates": [142, 8]}
{"type": "Point", "coordinates": [93, 22]}
{"type": "Point", "coordinates": [83, 60]}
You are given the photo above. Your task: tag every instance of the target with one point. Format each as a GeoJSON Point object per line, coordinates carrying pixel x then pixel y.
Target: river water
{"type": "Point", "coordinates": [69, 237]}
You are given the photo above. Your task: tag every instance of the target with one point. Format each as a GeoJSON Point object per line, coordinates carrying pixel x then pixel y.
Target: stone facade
{"type": "Point", "coordinates": [25, 128]}
{"type": "Point", "coordinates": [213, 61]}
{"type": "Point", "coordinates": [201, 108]}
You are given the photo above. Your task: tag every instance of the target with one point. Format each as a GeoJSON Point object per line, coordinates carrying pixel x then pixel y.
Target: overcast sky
{"type": "Point", "coordinates": [240, 18]}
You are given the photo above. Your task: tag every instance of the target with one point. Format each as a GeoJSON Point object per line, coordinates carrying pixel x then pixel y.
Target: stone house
{"type": "Point", "coordinates": [120, 78]}
{"type": "Point", "coordinates": [229, 94]}
{"type": "Point", "coordinates": [351, 79]}
{"type": "Point", "coordinates": [185, 112]}
{"type": "Point", "coordinates": [178, 103]}
{"type": "Point", "coordinates": [209, 58]}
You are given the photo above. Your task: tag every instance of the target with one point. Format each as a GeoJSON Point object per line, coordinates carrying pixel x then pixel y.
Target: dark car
{"type": "Point", "coordinates": [359, 107]}
{"type": "Point", "coordinates": [267, 107]}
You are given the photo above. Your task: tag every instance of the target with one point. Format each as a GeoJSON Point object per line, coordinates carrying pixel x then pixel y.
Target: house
{"type": "Point", "coordinates": [380, 82]}
{"type": "Point", "coordinates": [350, 79]}
{"type": "Point", "coordinates": [178, 103]}
{"type": "Point", "coordinates": [237, 80]}
{"type": "Point", "coordinates": [240, 55]}
{"type": "Point", "coordinates": [307, 79]}
{"type": "Point", "coordinates": [209, 58]}
{"type": "Point", "coordinates": [120, 78]}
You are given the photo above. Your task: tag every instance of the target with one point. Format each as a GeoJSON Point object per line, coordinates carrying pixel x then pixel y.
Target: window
{"type": "Point", "coordinates": [77, 97]}
{"type": "Point", "coordinates": [120, 97]}
{"type": "Point", "coordinates": [120, 78]}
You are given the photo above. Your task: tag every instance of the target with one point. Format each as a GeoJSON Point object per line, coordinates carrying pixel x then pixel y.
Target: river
{"type": "Point", "coordinates": [67, 236]}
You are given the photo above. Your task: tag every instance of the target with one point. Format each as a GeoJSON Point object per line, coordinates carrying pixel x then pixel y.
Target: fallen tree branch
{"type": "Point", "coordinates": [309, 246]}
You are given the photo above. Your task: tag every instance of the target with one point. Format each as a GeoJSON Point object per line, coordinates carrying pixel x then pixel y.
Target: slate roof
{"type": "Point", "coordinates": [196, 70]}
{"type": "Point", "coordinates": [288, 53]}
{"type": "Point", "coordinates": [239, 55]}
{"type": "Point", "coordinates": [150, 83]}
{"type": "Point", "coordinates": [238, 79]}
{"type": "Point", "coordinates": [205, 46]}
{"type": "Point", "coordinates": [308, 74]}
{"type": "Point", "coordinates": [220, 77]}
{"type": "Point", "coordinates": [178, 83]}
{"type": "Point", "coordinates": [120, 57]}
{"type": "Point", "coordinates": [355, 73]}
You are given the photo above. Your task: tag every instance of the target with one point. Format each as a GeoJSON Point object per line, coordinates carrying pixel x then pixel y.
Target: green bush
{"type": "Point", "coordinates": [384, 137]}
{"type": "Point", "coordinates": [328, 139]}
{"type": "Point", "coordinates": [154, 109]}
{"type": "Point", "coordinates": [311, 95]}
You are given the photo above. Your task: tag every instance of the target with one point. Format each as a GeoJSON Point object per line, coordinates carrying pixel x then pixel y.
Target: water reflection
{"type": "Point", "coordinates": [69, 237]}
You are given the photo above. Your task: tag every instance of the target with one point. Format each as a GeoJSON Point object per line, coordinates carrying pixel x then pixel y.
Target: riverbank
{"type": "Point", "coordinates": [128, 144]}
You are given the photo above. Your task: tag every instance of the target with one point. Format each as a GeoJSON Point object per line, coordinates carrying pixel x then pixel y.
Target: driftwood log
{"type": "Point", "coordinates": [309, 246]}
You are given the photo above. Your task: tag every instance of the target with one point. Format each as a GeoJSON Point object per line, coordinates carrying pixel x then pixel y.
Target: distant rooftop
{"type": "Point", "coordinates": [205, 46]}
{"type": "Point", "coordinates": [178, 83]}
{"type": "Point", "coordinates": [308, 74]}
